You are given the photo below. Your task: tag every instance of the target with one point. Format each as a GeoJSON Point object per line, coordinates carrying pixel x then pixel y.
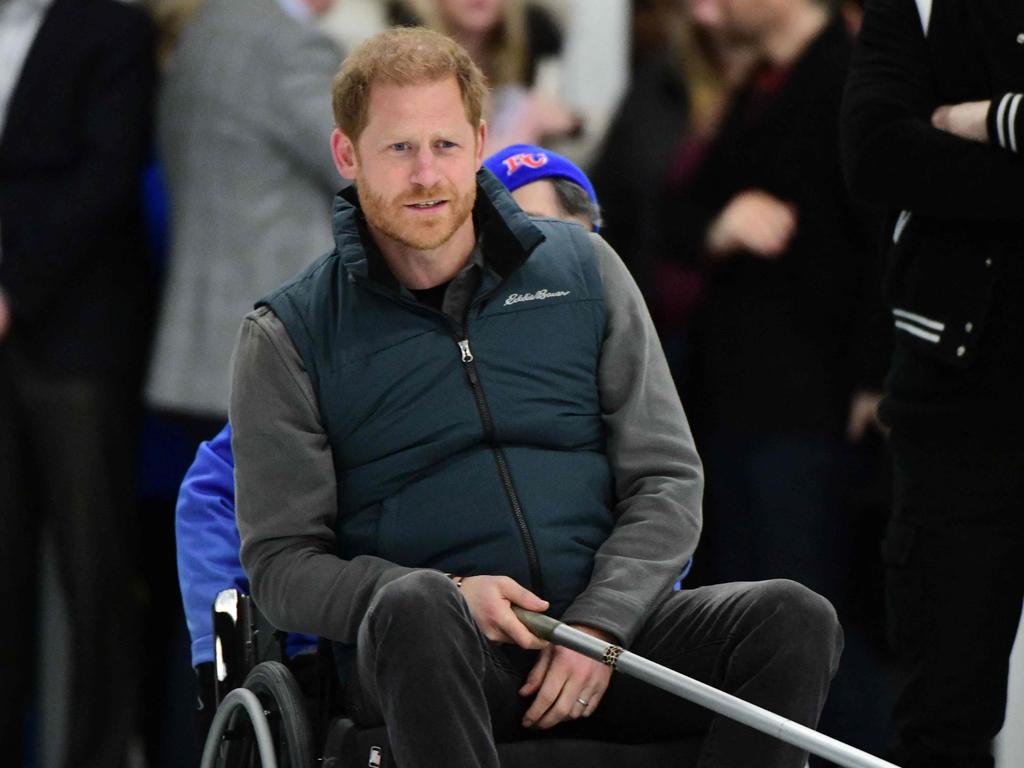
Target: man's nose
{"type": "Point", "coordinates": [425, 168]}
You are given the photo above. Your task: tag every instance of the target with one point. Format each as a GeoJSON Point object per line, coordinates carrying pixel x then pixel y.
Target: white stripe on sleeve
{"type": "Point", "coordinates": [1000, 114]}
{"type": "Point", "coordinates": [1011, 121]}
{"type": "Point", "coordinates": [927, 322]}
{"type": "Point", "coordinates": [913, 329]}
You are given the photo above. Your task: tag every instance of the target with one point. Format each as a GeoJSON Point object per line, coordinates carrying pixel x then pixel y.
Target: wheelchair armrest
{"type": "Point", "coordinates": [234, 640]}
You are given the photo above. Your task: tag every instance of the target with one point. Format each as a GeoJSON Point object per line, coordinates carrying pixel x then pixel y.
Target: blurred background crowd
{"type": "Point", "coordinates": [166, 162]}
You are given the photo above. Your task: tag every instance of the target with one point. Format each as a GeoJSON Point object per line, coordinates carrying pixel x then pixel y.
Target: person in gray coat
{"type": "Point", "coordinates": [243, 133]}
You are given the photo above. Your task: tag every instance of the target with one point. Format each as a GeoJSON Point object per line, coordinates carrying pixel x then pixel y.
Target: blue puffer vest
{"type": "Point", "coordinates": [475, 447]}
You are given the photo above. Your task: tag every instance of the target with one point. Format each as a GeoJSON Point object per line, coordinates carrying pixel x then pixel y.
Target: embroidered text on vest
{"type": "Point", "coordinates": [543, 293]}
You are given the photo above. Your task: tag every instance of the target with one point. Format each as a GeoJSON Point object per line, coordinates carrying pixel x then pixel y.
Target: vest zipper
{"type": "Point", "coordinates": [466, 354]}
{"type": "Point", "coordinates": [536, 580]}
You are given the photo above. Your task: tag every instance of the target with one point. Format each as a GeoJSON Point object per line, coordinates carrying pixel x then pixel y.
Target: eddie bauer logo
{"type": "Point", "coordinates": [543, 293]}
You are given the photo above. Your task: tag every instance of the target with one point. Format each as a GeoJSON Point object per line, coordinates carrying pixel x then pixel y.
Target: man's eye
{"type": "Point", "coordinates": [400, 146]}
{"type": "Point", "coordinates": [445, 144]}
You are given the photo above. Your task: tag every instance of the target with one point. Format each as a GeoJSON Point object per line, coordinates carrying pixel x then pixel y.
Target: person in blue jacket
{"type": "Point", "coordinates": [544, 183]}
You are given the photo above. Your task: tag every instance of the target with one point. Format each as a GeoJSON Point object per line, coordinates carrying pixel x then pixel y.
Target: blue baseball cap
{"type": "Point", "coordinates": [521, 164]}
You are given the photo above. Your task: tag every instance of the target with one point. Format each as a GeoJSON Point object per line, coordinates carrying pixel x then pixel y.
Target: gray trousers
{"type": "Point", "coordinates": [446, 693]}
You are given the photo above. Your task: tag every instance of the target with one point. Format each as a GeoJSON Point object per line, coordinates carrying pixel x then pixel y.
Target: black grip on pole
{"type": "Point", "coordinates": [542, 626]}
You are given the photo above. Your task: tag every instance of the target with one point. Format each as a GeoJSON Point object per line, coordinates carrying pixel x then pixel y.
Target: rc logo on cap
{"type": "Point", "coordinates": [530, 160]}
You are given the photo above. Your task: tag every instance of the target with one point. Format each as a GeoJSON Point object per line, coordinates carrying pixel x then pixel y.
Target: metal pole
{"type": "Point", "coordinates": [699, 693]}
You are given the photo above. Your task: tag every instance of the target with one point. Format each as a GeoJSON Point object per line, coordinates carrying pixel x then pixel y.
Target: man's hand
{"type": "Point", "coordinates": [753, 221]}
{"type": "Point", "coordinates": [563, 680]}
{"type": "Point", "coordinates": [5, 316]}
{"type": "Point", "coordinates": [490, 600]}
{"type": "Point", "coordinates": [863, 415]}
{"type": "Point", "coordinates": [966, 120]}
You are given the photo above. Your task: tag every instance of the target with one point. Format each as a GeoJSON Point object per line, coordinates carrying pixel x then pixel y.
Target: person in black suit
{"type": "Point", "coordinates": [75, 104]}
{"type": "Point", "coordinates": [933, 135]}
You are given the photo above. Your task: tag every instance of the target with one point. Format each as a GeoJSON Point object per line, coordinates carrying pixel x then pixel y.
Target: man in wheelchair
{"type": "Point", "coordinates": [463, 408]}
{"type": "Point", "coordinates": [542, 182]}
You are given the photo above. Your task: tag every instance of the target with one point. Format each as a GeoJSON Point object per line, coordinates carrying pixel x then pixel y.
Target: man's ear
{"type": "Point", "coordinates": [343, 150]}
{"type": "Point", "coordinates": [481, 140]}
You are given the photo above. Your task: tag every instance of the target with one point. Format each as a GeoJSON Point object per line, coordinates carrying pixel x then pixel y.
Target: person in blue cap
{"type": "Point", "coordinates": [544, 184]}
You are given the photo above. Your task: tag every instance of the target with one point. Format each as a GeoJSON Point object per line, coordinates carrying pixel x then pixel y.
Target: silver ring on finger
{"type": "Point", "coordinates": [582, 702]}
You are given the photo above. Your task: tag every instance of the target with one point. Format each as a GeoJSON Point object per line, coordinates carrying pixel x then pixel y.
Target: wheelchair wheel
{"type": "Point", "coordinates": [285, 709]}
{"type": "Point", "coordinates": [236, 742]}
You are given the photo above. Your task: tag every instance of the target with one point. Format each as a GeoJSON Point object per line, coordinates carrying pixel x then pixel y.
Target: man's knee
{"type": "Point", "coordinates": [800, 621]}
{"type": "Point", "coordinates": [416, 603]}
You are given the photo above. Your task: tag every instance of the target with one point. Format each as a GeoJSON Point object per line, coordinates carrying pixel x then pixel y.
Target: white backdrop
{"type": "Point", "coordinates": [1010, 745]}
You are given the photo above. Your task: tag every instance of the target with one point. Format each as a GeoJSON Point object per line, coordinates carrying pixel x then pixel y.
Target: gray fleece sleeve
{"type": "Point", "coordinates": [285, 493]}
{"type": "Point", "coordinates": [658, 477]}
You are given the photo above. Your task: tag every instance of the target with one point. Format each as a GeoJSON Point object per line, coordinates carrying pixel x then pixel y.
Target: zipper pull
{"type": "Point", "coordinates": [467, 355]}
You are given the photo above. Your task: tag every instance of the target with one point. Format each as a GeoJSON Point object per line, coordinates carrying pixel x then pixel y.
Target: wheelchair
{"type": "Point", "coordinates": [278, 712]}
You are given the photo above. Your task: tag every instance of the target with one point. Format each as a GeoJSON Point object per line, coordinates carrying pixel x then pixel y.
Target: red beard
{"type": "Point", "coordinates": [422, 230]}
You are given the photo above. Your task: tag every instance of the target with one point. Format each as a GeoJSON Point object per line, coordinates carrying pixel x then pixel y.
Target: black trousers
{"type": "Point", "coordinates": [66, 465]}
{"type": "Point", "coordinates": [446, 693]}
{"type": "Point", "coordinates": [954, 555]}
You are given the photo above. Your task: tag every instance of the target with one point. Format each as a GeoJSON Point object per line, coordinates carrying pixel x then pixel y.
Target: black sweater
{"type": "Point", "coordinates": [782, 342]}
{"type": "Point", "coordinates": [955, 277]}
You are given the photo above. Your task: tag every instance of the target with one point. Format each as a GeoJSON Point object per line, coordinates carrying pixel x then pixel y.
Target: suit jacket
{"type": "Point", "coordinates": [244, 126]}
{"type": "Point", "coordinates": [73, 264]}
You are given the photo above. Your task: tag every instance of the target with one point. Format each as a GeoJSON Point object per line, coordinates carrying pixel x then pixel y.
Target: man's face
{"type": "Point", "coordinates": [319, 7]}
{"type": "Point", "coordinates": [741, 20]}
{"type": "Point", "coordinates": [473, 16]}
{"type": "Point", "coordinates": [538, 198]}
{"type": "Point", "coordinates": [415, 162]}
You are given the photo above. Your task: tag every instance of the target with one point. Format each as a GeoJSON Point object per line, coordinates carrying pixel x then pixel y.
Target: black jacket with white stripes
{"type": "Point", "coordinates": [955, 277]}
